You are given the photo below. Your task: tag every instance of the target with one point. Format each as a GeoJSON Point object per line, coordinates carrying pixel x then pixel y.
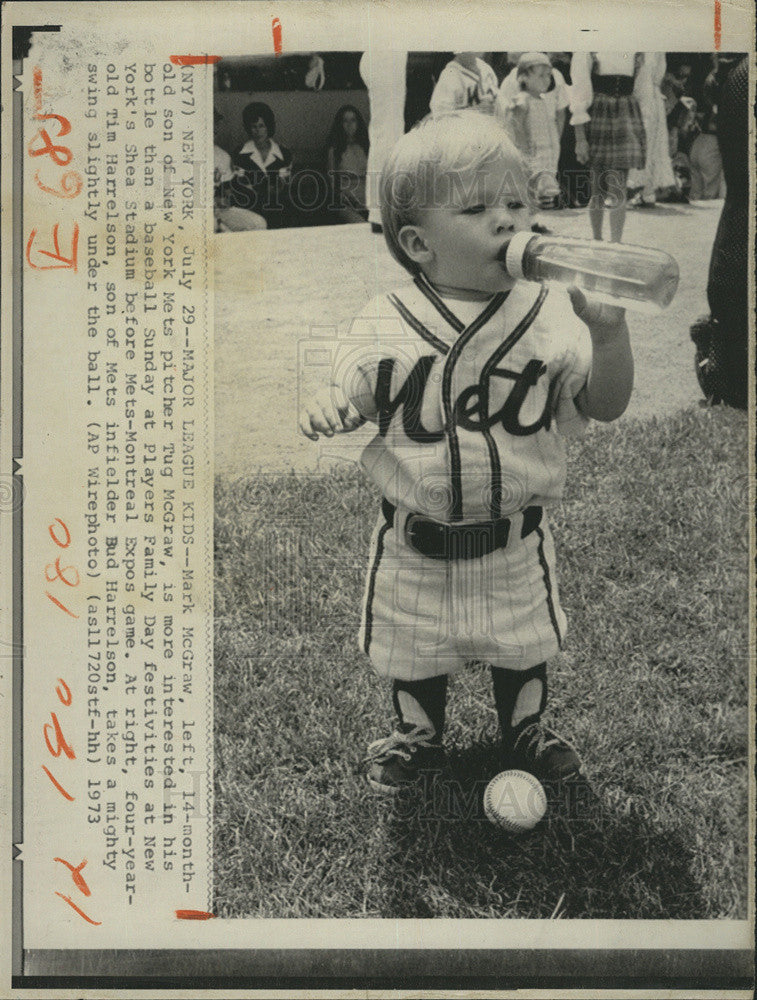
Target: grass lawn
{"type": "Point", "coordinates": [652, 687]}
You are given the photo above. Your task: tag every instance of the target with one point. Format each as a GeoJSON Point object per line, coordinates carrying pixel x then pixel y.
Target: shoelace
{"type": "Point", "coordinates": [400, 744]}
{"type": "Point", "coordinates": [538, 739]}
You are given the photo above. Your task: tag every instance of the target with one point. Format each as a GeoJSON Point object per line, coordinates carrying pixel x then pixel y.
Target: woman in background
{"type": "Point", "coordinates": [262, 168]}
{"type": "Point", "coordinates": [610, 134]}
{"type": "Point", "coordinates": [347, 162]}
{"type": "Point", "coordinates": [657, 175]}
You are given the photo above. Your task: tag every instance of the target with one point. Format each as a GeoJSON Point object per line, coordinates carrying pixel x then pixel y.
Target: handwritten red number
{"type": "Point", "coordinates": [53, 729]}
{"type": "Point", "coordinates": [71, 182]}
{"type": "Point", "coordinates": [81, 912]}
{"type": "Point", "coordinates": [76, 875]}
{"type": "Point", "coordinates": [60, 155]}
{"type": "Point", "coordinates": [64, 696]}
{"type": "Point", "coordinates": [55, 254]}
{"type": "Point", "coordinates": [58, 785]}
{"type": "Point", "coordinates": [53, 535]}
{"type": "Point", "coordinates": [57, 603]}
{"type": "Point", "coordinates": [59, 737]}
{"type": "Point", "coordinates": [81, 885]}
{"type": "Point", "coordinates": [70, 185]}
{"type": "Point", "coordinates": [60, 572]}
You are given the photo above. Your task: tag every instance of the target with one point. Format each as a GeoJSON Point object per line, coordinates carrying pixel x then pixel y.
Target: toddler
{"type": "Point", "coordinates": [534, 116]}
{"type": "Point", "coordinates": [471, 378]}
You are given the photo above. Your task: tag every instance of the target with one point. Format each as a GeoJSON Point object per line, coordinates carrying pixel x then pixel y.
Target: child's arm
{"type": "Point", "coordinates": [582, 96]}
{"type": "Point", "coordinates": [608, 387]}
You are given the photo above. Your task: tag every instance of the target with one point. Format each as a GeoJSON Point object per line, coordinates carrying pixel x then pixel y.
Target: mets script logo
{"type": "Point", "coordinates": [471, 409]}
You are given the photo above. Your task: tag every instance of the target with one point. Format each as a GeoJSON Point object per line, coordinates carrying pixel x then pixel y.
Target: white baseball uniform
{"type": "Point", "coordinates": [460, 87]}
{"type": "Point", "coordinates": [472, 401]}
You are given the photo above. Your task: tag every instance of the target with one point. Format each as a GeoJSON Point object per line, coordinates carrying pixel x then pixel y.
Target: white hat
{"type": "Point", "coordinates": [533, 59]}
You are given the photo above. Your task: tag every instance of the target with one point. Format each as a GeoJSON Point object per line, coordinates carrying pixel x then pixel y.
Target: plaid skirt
{"type": "Point", "coordinates": [617, 140]}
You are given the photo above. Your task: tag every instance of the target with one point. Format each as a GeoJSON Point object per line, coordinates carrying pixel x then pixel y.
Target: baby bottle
{"type": "Point", "coordinates": [633, 277]}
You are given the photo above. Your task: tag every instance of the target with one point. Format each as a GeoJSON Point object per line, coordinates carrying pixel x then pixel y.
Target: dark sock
{"type": "Point", "coordinates": [508, 684]}
{"type": "Point", "coordinates": [429, 695]}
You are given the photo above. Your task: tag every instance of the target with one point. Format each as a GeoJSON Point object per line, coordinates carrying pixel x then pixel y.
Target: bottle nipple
{"type": "Point", "coordinates": [512, 252]}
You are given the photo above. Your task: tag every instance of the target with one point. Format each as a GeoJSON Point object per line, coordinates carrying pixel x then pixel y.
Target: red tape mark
{"type": "Point", "coordinates": [276, 28]}
{"type": "Point", "coordinates": [194, 60]}
{"type": "Point", "coordinates": [718, 27]}
{"type": "Point", "coordinates": [194, 915]}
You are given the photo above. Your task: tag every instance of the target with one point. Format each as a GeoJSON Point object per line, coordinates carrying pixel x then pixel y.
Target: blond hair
{"type": "Point", "coordinates": [424, 169]}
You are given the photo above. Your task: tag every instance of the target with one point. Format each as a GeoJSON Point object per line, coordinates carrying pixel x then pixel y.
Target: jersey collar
{"type": "Point", "coordinates": [444, 310]}
{"type": "Point", "coordinates": [251, 150]}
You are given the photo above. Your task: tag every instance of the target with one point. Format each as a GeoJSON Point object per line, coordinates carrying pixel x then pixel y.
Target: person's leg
{"type": "Point", "coordinates": [416, 655]}
{"type": "Point", "coordinates": [421, 703]}
{"type": "Point", "coordinates": [398, 760]}
{"type": "Point", "coordinates": [596, 205]}
{"type": "Point", "coordinates": [520, 697]}
{"type": "Point", "coordinates": [616, 193]}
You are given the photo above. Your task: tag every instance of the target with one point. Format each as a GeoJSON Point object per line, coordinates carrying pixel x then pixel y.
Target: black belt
{"type": "Point", "coordinates": [612, 85]}
{"type": "Point", "coordinates": [437, 540]}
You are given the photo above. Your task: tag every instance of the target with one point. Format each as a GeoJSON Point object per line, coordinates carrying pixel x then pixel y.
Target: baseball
{"type": "Point", "coordinates": [515, 801]}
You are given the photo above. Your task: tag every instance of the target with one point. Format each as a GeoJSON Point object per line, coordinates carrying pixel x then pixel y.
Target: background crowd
{"type": "Point", "coordinates": [307, 164]}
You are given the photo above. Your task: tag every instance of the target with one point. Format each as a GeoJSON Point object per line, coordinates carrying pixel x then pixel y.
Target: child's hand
{"type": "Point", "coordinates": [604, 321]}
{"type": "Point", "coordinates": [328, 412]}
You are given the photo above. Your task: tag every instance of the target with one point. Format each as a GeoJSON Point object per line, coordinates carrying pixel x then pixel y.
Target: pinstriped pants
{"type": "Point", "coordinates": [425, 617]}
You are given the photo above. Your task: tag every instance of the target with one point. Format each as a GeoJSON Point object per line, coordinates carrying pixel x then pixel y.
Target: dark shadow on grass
{"type": "Point", "coordinates": [444, 858]}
